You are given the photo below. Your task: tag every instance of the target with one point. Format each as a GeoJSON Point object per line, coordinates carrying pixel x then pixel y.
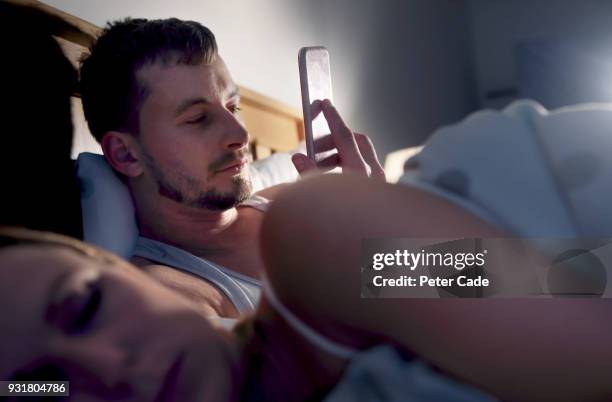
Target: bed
{"type": "Point", "coordinates": [275, 128]}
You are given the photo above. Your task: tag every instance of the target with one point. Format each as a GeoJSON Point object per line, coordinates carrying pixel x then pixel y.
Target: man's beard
{"type": "Point", "coordinates": [188, 190]}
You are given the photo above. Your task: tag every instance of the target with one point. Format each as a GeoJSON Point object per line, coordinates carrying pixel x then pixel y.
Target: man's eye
{"type": "Point", "coordinates": [80, 309]}
{"type": "Point", "coordinates": [197, 120]}
{"type": "Point", "coordinates": [234, 109]}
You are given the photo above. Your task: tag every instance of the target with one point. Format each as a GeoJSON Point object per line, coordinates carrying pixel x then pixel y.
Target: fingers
{"type": "Point", "coordinates": [315, 109]}
{"type": "Point", "coordinates": [366, 148]}
{"type": "Point", "coordinates": [329, 162]}
{"type": "Point", "coordinates": [369, 155]}
{"type": "Point", "coordinates": [303, 164]}
{"type": "Point", "coordinates": [344, 139]}
{"type": "Point", "coordinates": [324, 143]}
{"type": "Point", "coordinates": [355, 150]}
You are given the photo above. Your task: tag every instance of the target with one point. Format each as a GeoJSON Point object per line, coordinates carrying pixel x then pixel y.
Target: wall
{"type": "Point", "coordinates": [498, 26]}
{"type": "Point", "coordinates": [258, 40]}
{"type": "Point", "coordinates": [406, 65]}
{"type": "Point", "coordinates": [400, 68]}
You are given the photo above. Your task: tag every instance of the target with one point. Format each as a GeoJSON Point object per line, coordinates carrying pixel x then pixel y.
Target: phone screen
{"type": "Point", "coordinates": [315, 80]}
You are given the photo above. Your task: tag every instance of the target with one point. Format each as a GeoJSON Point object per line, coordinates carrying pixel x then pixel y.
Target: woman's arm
{"type": "Point", "coordinates": [519, 350]}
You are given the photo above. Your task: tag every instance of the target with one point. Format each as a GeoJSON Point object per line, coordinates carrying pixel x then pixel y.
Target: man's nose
{"type": "Point", "coordinates": [236, 135]}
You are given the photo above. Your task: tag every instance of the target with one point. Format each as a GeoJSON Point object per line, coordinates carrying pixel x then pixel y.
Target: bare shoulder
{"type": "Point", "coordinates": [272, 192]}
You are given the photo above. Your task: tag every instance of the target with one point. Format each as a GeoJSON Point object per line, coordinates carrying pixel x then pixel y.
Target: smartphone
{"type": "Point", "coordinates": [315, 82]}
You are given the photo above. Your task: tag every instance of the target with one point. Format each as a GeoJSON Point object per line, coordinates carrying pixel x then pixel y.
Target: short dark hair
{"type": "Point", "coordinates": [111, 93]}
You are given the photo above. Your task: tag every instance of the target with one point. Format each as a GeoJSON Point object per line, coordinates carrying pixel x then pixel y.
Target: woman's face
{"type": "Point", "coordinates": [114, 332]}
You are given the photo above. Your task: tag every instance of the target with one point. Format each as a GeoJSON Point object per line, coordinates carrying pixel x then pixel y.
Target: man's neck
{"type": "Point", "coordinates": [197, 230]}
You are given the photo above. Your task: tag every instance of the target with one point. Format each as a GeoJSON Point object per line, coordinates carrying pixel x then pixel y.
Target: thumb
{"type": "Point", "coordinates": [303, 163]}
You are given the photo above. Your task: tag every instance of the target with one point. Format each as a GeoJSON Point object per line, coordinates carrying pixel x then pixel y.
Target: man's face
{"type": "Point", "coordinates": [193, 142]}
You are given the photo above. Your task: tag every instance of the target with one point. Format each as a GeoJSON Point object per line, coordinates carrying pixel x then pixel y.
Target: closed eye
{"type": "Point", "coordinates": [197, 120]}
{"type": "Point", "coordinates": [76, 312]}
{"type": "Point", "coordinates": [89, 309]}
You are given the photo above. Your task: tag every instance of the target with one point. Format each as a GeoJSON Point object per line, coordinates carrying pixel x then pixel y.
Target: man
{"type": "Point", "coordinates": [163, 105]}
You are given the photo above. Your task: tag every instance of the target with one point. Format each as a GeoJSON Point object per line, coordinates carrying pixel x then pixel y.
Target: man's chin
{"type": "Point", "coordinates": [242, 188]}
{"type": "Point", "coordinates": [219, 200]}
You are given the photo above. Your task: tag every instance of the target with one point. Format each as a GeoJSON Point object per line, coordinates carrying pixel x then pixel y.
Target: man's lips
{"type": "Point", "coordinates": [235, 165]}
{"type": "Point", "coordinates": [169, 386]}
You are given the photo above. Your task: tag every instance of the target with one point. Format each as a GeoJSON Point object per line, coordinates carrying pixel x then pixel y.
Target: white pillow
{"type": "Point", "coordinates": [275, 169]}
{"type": "Point", "coordinates": [109, 220]}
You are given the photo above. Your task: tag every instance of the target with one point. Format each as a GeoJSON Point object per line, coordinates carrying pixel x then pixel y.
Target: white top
{"type": "Point", "coordinates": [258, 202]}
{"type": "Point", "coordinates": [243, 291]}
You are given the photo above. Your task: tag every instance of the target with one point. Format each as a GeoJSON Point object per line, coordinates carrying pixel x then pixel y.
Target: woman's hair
{"type": "Point", "coordinates": [16, 236]}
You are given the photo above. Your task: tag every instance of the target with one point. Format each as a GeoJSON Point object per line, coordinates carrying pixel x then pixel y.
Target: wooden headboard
{"type": "Point", "coordinates": [273, 126]}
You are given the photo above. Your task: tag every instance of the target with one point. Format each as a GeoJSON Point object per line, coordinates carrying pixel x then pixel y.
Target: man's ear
{"type": "Point", "coordinates": [122, 152]}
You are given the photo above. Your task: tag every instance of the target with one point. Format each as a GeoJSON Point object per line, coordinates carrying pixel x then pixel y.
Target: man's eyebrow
{"type": "Point", "coordinates": [187, 103]}
{"type": "Point", "coordinates": [235, 92]}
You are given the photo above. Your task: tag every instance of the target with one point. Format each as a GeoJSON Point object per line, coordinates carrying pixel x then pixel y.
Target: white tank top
{"type": "Point", "coordinates": [243, 291]}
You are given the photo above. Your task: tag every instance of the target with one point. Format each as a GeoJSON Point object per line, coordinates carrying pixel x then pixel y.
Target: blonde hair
{"type": "Point", "coordinates": [16, 236]}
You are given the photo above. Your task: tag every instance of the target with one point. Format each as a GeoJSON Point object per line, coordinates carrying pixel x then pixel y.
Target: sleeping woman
{"type": "Point", "coordinates": [71, 312]}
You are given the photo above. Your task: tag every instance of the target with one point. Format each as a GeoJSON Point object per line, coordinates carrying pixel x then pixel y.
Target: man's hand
{"type": "Point", "coordinates": [355, 151]}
